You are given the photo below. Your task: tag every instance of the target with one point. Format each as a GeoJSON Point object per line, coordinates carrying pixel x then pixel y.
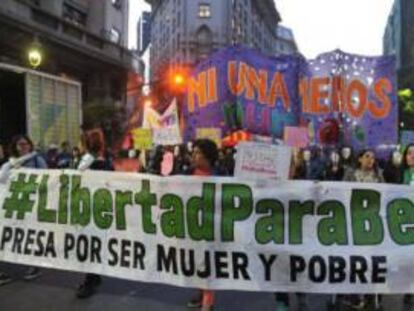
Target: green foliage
{"type": "Point", "coordinates": [406, 98]}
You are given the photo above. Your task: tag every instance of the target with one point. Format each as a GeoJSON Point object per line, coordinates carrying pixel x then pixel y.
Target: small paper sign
{"type": "Point", "coordinates": [262, 161]}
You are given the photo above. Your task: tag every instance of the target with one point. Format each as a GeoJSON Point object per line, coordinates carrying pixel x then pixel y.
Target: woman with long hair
{"type": "Point", "coordinates": [22, 154]}
{"type": "Point", "coordinates": [407, 171]}
{"type": "Point", "coordinates": [368, 171]}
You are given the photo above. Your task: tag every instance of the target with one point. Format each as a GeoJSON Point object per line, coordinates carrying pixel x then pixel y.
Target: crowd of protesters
{"type": "Point", "coordinates": [203, 158]}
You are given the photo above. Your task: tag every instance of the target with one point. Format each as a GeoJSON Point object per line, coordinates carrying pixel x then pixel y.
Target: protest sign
{"type": "Point", "coordinates": [296, 136]}
{"type": "Point", "coordinates": [211, 133]}
{"type": "Point", "coordinates": [165, 128]}
{"type": "Point", "coordinates": [239, 88]}
{"type": "Point", "coordinates": [212, 233]}
{"type": "Point", "coordinates": [142, 138]}
{"type": "Point", "coordinates": [341, 98]}
{"type": "Point", "coordinates": [151, 118]}
{"type": "Point", "coordinates": [262, 161]}
{"type": "Point", "coordinates": [350, 99]}
{"type": "Point", "coordinates": [167, 136]}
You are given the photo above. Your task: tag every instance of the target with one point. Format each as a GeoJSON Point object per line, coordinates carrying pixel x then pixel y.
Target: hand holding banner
{"type": "Point", "coordinates": [298, 236]}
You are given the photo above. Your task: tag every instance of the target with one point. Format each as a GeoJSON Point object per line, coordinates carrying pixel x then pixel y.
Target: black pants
{"type": "Point", "coordinates": [92, 279]}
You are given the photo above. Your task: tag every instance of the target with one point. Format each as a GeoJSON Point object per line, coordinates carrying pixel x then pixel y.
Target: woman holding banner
{"type": "Point", "coordinates": [407, 170]}
{"type": "Point", "coordinates": [408, 165]}
{"type": "Point", "coordinates": [204, 159]}
{"type": "Point", "coordinates": [93, 159]}
{"type": "Point", "coordinates": [367, 171]}
{"type": "Point", "coordinates": [22, 154]}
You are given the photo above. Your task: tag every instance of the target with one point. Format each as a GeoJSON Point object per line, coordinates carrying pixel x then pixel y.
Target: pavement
{"type": "Point", "coordinates": [55, 290]}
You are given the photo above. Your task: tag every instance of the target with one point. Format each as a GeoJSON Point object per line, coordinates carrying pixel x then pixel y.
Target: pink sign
{"type": "Point", "coordinates": [296, 136]}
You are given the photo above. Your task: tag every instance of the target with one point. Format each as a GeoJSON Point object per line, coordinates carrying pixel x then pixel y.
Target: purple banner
{"type": "Point", "coordinates": [352, 100]}
{"type": "Point", "coordinates": [341, 98]}
{"type": "Point", "coordinates": [240, 89]}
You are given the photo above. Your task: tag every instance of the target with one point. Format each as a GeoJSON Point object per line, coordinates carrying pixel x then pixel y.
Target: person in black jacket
{"type": "Point", "coordinates": [334, 169]}
{"type": "Point", "coordinates": [393, 168]}
{"type": "Point", "coordinates": [93, 159]}
{"type": "Point", "coordinates": [3, 157]}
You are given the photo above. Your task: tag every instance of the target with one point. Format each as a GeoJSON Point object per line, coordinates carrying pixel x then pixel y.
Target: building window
{"type": "Point", "coordinates": [73, 15]}
{"type": "Point", "coordinates": [114, 35]}
{"type": "Point", "coordinates": [204, 10]}
{"type": "Point", "coordinates": [116, 3]}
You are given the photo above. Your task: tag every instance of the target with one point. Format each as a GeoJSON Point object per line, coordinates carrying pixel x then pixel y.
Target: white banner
{"type": "Point", "coordinates": [215, 233]}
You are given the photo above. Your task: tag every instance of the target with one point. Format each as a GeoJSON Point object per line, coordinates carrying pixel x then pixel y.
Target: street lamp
{"type": "Point", "coordinates": [178, 79]}
{"type": "Point", "coordinates": [34, 54]}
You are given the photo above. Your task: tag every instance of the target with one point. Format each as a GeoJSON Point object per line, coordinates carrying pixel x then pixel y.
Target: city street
{"type": "Point", "coordinates": [55, 290]}
{"type": "Point", "coordinates": [248, 145]}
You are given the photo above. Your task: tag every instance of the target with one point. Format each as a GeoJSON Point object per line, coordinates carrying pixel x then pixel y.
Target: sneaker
{"type": "Point", "coordinates": [355, 302]}
{"type": "Point", "coordinates": [5, 278]}
{"type": "Point", "coordinates": [32, 273]}
{"type": "Point", "coordinates": [85, 290]}
{"type": "Point", "coordinates": [89, 286]}
{"type": "Point", "coordinates": [408, 299]}
{"type": "Point", "coordinates": [194, 303]}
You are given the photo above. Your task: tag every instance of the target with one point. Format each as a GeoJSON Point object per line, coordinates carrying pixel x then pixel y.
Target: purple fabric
{"type": "Point", "coordinates": [231, 113]}
{"type": "Point", "coordinates": [367, 131]}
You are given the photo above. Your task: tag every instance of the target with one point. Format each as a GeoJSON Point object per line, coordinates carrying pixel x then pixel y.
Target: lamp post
{"type": "Point", "coordinates": [34, 54]}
